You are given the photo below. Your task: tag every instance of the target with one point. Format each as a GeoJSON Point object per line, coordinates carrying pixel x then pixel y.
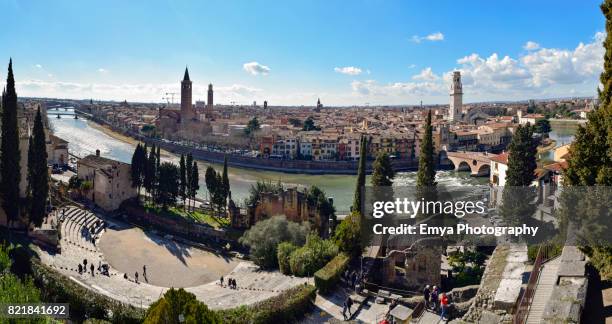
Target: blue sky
{"type": "Point", "coordinates": [291, 52]}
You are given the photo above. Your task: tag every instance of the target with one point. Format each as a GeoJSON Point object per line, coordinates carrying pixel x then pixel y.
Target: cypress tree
{"type": "Point", "coordinates": [168, 187]}
{"type": "Point", "coordinates": [137, 167]}
{"type": "Point", "coordinates": [587, 203]}
{"type": "Point", "coordinates": [225, 180]}
{"type": "Point", "coordinates": [426, 176]}
{"type": "Point", "coordinates": [38, 174]}
{"type": "Point", "coordinates": [10, 155]}
{"type": "Point", "coordinates": [382, 171]}
{"type": "Point", "coordinates": [188, 174]}
{"type": "Point", "coordinates": [183, 180]}
{"type": "Point", "coordinates": [195, 184]}
{"type": "Point", "coordinates": [151, 172]}
{"type": "Point", "coordinates": [361, 176]}
{"type": "Point", "coordinates": [517, 207]}
{"type": "Point", "coordinates": [521, 158]}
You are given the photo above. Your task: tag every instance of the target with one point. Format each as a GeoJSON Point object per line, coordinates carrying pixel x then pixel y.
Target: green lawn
{"type": "Point", "coordinates": [197, 216]}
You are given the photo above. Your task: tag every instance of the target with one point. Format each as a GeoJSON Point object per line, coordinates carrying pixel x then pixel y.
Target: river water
{"type": "Point", "coordinates": [84, 139]}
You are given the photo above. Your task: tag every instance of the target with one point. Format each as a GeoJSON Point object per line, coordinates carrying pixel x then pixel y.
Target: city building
{"type": "Point", "coordinates": [110, 180]}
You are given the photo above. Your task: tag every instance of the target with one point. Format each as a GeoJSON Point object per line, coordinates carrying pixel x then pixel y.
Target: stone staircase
{"type": "Point", "coordinates": [546, 283]}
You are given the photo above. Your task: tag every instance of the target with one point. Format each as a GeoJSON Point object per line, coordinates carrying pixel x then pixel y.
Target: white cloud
{"type": "Point", "coordinates": [349, 70]}
{"type": "Point", "coordinates": [255, 68]}
{"type": "Point", "coordinates": [539, 73]}
{"type": "Point", "coordinates": [38, 66]}
{"type": "Point", "coordinates": [434, 37]}
{"type": "Point", "coordinates": [531, 46]}
{"type": "Point", "coordinates": [398, 89]}
{"type": "Point", "coordinates": [561, 66]}
{"type": "Point", "coordinates": [411, 66]}
{"type": "Point", "coordinates": [102, 70]}
{"type": "Point", "coordinates": [426, 75]}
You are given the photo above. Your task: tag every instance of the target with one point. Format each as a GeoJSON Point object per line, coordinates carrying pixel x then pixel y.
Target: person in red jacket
{"type": "Point", "coordinates": [443, 305]}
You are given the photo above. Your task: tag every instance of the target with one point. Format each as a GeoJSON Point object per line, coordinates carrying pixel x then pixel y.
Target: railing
{"type": "Point", "coordinates": [418, 310]}
{"type": "Point", "coordinates": [522, 310]}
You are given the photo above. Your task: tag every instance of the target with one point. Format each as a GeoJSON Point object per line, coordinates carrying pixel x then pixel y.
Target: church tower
{"type": "Point", "coordinates": [456, 98]}
{"type": "Point", "coordinates": [186, 99]}
{"type": "Point", "coordinates": [210, 102]}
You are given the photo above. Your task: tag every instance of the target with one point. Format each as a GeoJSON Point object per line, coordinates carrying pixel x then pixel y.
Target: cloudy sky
{"type": "Point", "coordinates": [291, 52]}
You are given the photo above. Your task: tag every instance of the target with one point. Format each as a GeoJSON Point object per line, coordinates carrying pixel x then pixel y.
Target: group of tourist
{"type": "Point", "coordinates": [352, 278]}
{"type": "Point", "coordinates": [231, 283]}
{"type": "Point", "coordinates": [436, 300]}
{"type": "Point", "coordinates": [83, 267]}
{"type": "Point", "coordinates": [144, 275]}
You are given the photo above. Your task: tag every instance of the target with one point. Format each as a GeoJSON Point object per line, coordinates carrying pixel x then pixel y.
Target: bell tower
{"type": "Point", "coordinates": [456, 98]}
{"type": "Point", "coordinates": [186, 99]}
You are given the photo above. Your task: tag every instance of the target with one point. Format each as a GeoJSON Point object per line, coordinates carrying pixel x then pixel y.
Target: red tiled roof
{"type": "Point", "coordinates": [501, 158]}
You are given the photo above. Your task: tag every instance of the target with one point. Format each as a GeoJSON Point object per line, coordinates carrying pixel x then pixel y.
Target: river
{"type": "Point", "coordinates": [84, 139]}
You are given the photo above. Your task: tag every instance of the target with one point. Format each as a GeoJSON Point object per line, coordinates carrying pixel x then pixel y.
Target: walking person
{"type": "Point", "coordinates": [91, 267]}
{"type": "Point", "coordinates": [349, 304]}
{"type": "Point", "coordinates": [426, 295]}
{"type": "Point", "coordinates": [443, 306]}
{"type": "Point", "coordinates": [344, 310]}
{"type": "Point", "coordinates": [144, 271]}
{"type": "Point", "coordinates": [434, 298]}
{"type": "Point", "coordinates": [136, 276]}
{"type": "Point", "coordinates": [85, 264]}
{"type": "Point", "coordinates": [221, 281]}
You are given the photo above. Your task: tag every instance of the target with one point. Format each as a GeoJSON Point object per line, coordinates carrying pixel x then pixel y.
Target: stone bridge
{"type": "Point", "coordinates": [479, 163]}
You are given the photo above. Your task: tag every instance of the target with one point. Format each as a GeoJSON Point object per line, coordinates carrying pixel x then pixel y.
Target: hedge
{"type": "Point", "coordinates": [287, 307]}
{"type": "Point", "coordinates": [327, 277]}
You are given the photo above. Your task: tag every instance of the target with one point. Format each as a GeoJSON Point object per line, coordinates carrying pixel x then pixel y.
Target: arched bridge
{"type": "Point", "coordinates": [479, 163]}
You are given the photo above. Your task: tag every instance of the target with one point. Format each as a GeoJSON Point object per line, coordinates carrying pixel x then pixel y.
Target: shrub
{"type": "Point", "coordinates": [328, 276]}
{"type": "Point", "coordinates": [312, 256]}
{"type": "Point", "coordinates": [287, 307]}
{"type": "Point", "coordinates": [348, 236]}
{"type": "Point", "coordinates": [177, 303]}
{"type": "Point", "coordinates": [284, 253]}
{"type": "Point", "coordinates": [263, 239]}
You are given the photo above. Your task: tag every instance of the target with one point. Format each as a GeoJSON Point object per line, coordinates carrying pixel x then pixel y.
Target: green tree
{"type": "Point", "coordinates": [195, 182]}
{"type": "Point", "coordinates": [521, 157]}
{"type": "Point", "coordinates": [139, 159]}
{"type": "Point", "coordinates": [518, 196]}
{"type": "Point", "coordinates": [225, 180]}
{"type": "Point", "coordinates": [10, 172]}
{"type": "Point", "coordinates": [590, 169]}
{"type": "Point", "coordinates": [150, 177]}
{"type": "Point", "coordinates": [426, 175]}
{"type": "Point", "coordinates": [183, 180]}
{"type": "Point", "coordinates": [382, 171]}
{"type": "Point", "coordinates": [38, 173]}
{"type": "Point", "coordinates": [188, 174]}
{"type": "Point", "coordinates": [215, 187]}
{"type": "Point", "coordinates": [309, 125]}
{"type": "Point", "coordinates": [347, 235]}
{"type": "Point", "coordinates": [179, 306]}
{"type": "Point", "coordinates": [252, 126]}
{"type": "Point", "coordinates": [361, 176]}
{"type": "Point", "coordinates": [168, 187]}
{"type": "Point", "coordinates": [542, 126]}
{"type": "Point", "coordinates": [264, 237]}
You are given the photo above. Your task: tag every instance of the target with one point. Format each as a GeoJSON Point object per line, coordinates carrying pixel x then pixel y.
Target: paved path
{"type": "Point", "coordinates": [77, 244]}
